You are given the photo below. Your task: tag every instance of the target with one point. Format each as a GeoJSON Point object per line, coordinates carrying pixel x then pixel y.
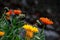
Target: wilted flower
{"type": "Point", "coordinates": [2, 33]}
{"type": "Point", "coordinates": [8, 17]}
{"type": "Point", "coordinates": [46, 20]}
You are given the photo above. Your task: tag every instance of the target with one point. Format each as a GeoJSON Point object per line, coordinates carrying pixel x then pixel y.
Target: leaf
{"type": "Point", "coordinates": [40, 35]}
{"type": "Point", "coordinates": [17, 38]}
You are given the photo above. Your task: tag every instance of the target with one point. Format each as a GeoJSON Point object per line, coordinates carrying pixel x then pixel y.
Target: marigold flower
{"type": "Point", "coordinates": [35, 29]}
{"type": "Point", "coordinates": [31, 28]}
{"type": "Point", "coordinates": [8, 13]}
{"type": "Point", "coordinates": [29, 34]}
{"type": "Point", "coordinates": [2, 33]}
{"type": "Point", "coordinates": [46, 20]}
{"type": "Point", "coordinates": [17, 12]}
{"type": "Point", "coordinates": [27, 27]}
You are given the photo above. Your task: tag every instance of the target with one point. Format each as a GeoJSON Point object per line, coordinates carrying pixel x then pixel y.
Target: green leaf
{"type": "Point", "coordinates": [17, 38]}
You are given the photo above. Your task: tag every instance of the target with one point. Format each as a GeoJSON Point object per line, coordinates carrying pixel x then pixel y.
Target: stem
{"type": "Point", "coordinates": [28, 38]}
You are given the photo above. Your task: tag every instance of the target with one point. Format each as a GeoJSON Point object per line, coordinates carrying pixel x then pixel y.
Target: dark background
{"type": "Point", "coordinates": [39, 8]}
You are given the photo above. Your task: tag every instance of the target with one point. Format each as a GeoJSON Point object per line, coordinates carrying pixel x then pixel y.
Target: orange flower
{"type": "Point", "coordinates": [14, 11]}
{"type": "Point", "coordinates": [9, 13]}
{"type": "Point", "coordinates": [29, 34]}
{"type": "Point", "coordinates": [17, 12]}
{"type": "Point", "coordinates": [2, 33]}
{"type": "Point", "coordinates": [46, 20]}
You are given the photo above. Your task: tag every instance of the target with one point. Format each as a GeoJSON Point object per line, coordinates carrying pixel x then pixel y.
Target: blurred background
{"type": "Point", "coordinates": [36, 9]}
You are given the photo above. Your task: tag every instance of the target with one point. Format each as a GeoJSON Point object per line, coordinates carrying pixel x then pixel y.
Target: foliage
{"type": "Point", "coordinates": [16, 32]}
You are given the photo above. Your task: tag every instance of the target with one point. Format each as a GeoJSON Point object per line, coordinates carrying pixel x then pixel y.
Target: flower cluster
{"type": "Point", "coordinates": [15, 12]}
{"type": "Point", "coordinates": [30, 30]}
{"type": "Point", "coordinates": [15, 19]}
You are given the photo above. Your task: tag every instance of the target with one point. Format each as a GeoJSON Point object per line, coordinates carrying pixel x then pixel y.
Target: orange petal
{"type": "Point", "coordinates": [2, 33]}
{"type": "Point", "coordinates": [46, 20]}
{"type": "Point", "coordinates": [17, 12]}
{"type": "Point", "coordinates": [8, 13]}
{"type": "Point", "coordinates": [29, 34]}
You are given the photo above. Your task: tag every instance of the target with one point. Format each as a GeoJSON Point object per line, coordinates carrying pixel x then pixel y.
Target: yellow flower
{"type": "Point", "coordinates": [31, 28]}
{"type": "Point", "coordinates": [27, 27]}
{"type": "Point", "coordinates": [2, 33]}
{"type": "Point", "coordinates": [35, 29]}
